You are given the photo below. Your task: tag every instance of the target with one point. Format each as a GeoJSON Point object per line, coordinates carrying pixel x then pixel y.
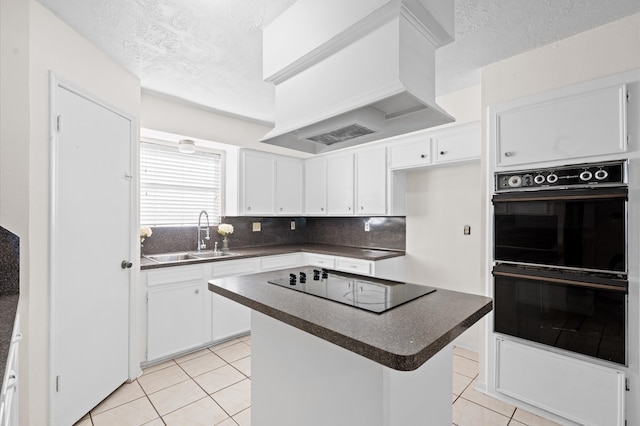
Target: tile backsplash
{"type": "Point", "coordinates": [9, 263]}
{"type": "Point", "coordinates": [385, 232]}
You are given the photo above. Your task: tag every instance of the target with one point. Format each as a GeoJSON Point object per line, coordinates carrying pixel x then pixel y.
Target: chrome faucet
{"type": "Point", "coordinates": [200, 242]}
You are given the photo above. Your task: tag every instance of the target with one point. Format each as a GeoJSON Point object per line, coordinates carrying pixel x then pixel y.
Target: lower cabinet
{"type": "Point", "coordinates": [178, 310]}
{"type": "Point", "coordinates": [9, 392]}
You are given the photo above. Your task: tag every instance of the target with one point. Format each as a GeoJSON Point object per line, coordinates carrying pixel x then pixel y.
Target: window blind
{"type": "Point", "coordinates": [176, 187]}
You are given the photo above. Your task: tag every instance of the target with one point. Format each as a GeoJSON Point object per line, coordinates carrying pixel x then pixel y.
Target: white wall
{"type": "Point", "coordinates": [50, 45]}
{"type": "Point", "coordinates": [440, 202]}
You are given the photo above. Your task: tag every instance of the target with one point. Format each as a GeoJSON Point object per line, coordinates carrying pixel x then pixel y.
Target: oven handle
{"type": "Point", "coordinates": [561, 281]}
{"type": "Point", "coordinates": [593, 194]}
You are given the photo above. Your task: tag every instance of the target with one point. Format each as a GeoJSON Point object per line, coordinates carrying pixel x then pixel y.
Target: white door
{"type": "Point", "coordinates": [91, 237]}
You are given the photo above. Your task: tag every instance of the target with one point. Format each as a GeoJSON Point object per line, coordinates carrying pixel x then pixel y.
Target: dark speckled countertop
{"type": "Point", "coordinates": [240, 253]}
{"type": "Point", "coordinates": [402, 338]}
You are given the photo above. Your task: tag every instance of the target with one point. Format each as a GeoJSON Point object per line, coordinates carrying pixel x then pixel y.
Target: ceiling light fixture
{"type": "Point", "coordinates": [186, 146]}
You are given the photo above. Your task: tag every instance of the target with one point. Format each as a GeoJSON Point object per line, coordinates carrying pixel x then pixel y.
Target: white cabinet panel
{"type": "Point", "coordinates": [315, 186]}
{"type": "Point", "coordinates": [355, 266]}
{"type": "Point", "coordinates": [371, 181]}
{"type": "Point", "coordinates": [177, 317]}
{"type": "Point", "coordinates": [340, 184]}
{"type": "Point", "coordinates": [585, 393]}
{"type": "Point", "coordinates": [413, 151]}
{"type": "Point", "coordinates": [289, 178]}
{"type": "Point", "coordinates": [228, 268]}
{"type": "Point", "coordinates": [258, 183]}
{"type": "Point", "coordinates": [229, 318]}
{"type": "Point", "coordinates": [283, 261]}
{"type": "Point", "coordinates": [320, 260]}
{"type": "Point", "coordinates": [571, 123]}
{"type": "Point", "coordinates": [458, 143]}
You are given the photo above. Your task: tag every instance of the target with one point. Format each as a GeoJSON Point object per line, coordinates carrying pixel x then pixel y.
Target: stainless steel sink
{"type": "Point", "coordinates": [184, 257]}
{"type": "Point", "coordinates": [211, 254]}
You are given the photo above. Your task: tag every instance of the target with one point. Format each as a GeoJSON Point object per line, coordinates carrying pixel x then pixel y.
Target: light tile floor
{"type": "Point", "coordinates": [213, 387]}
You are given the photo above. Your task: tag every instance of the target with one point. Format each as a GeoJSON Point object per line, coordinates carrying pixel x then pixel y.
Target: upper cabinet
{"type": "Point", "coordinates": [315, 186]}
{"type": "Point", "coordinates": [371, 181]}
{"type": "Point", "coordinates": [340, 180]}
{"type": "Point", "coordinates": [451, 144]}
{"type": "Point", "coordinates": [270, 184]}
{"type": "Point", "coordinates": [574, 122]}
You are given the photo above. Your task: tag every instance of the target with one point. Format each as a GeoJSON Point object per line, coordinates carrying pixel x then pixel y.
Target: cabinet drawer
{"type": "Point", "coordinates": [271, 263]}
{"type": "Point", "coordinates": [415, 152]}
{"type": "Point", "coordinates": [321, 260]}
{"type": "Point", "coordinates": [355, 266]}
{"type": "Point", "coordinates": [234, 267]}
{"type": "Point", "coordinates": [175, 274]}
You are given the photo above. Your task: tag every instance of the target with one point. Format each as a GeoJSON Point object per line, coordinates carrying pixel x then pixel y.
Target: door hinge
{"type": "Point", "coordinates": [58, 383]}
{"type": "Point", "coordinates": [59, 123]}
{"type": "Point", "coordinates": [147, 299]}
{"type": "Point", "coordinates": [626, 384]}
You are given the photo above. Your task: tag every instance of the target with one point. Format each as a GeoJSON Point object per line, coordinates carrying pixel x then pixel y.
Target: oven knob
{"type": "Point", "coordinates": [586, 175]}
{"type": "Point", "coordinates": [601, 174]}
{"type": "Point", "coordinates": [539, 179]}
{"type": "Point", "coordinates": [552, 178]}
{"type": "Point", "coordinates": [515, 181]}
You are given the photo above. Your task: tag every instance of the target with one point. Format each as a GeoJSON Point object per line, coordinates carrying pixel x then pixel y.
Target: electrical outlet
{"type": "Point", "coordinates": [367, 226]}
{"type": "Point", "coordinates": [257, 226]}
{"type": "Point", "coordinates": [467, 230]}
{"type": "Point", "coordinates": [293, 225]}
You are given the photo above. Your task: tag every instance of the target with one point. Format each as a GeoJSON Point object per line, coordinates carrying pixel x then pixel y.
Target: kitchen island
{"type": "Point", "coordinates": [319, 362]}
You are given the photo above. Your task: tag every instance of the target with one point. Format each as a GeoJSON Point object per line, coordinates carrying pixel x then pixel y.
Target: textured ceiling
{"type": "Point", "coordinates": [210, 51]}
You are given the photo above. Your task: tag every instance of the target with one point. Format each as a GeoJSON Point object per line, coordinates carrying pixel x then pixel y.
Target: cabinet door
{"type": "Point", "coordinates": [289, 186]}
{"type": "Point", "coordinates": [230, 318]}
{"type": "Point", "coordinates": [371, 181]}
{"type": "Point", "coordinates": [315, 184]}
{"type": "Point", "coordinates": [340, 181]}
{"type": "Point", "coordinates": [176, 319]}
{"type": "Point", "coordinates": [458, 143]}
{"type": "Point", "coordinates": [553, 127]}
{"type": "Point", "coordinates": [415, 151]}
{"type": "Point", "coordinates": [258, 183]}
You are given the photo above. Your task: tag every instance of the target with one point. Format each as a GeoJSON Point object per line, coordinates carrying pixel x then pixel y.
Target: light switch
{"type": "Point", "coordinates": [293, 225]}
{"type": "Point", "coordinates": [467, 230]}
{"type": "Point", "coordinates": [257, 226]}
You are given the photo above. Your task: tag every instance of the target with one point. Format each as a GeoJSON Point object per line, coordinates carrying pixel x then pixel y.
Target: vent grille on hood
{"type": "Point", "coordinates": [367, 77]}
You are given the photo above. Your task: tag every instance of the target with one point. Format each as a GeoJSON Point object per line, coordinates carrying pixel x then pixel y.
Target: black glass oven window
{"type": "Point", "coordinates": [586, 234]}
{"type": "Point", "coordinates": [583, 320]}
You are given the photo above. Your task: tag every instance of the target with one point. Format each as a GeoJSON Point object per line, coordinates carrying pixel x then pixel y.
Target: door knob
{"type": "Point", "coordinates": [126, 264]}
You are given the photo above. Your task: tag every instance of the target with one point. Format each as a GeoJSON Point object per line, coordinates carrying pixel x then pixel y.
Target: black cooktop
{"type": "Point", "coordinates": [366, 293]}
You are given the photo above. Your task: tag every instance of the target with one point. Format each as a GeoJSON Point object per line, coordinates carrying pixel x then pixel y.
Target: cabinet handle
{"type": "Point", "coordinates": [509, 154]}
{"type": "Point", "coordinates": [349, 208]}
{"type": "Point", "coordinates": [443, 152]}
{"type": "Point", "coordinates": [281, 208]}
{"type": "Point", "coordinates": [361, 207]}
{"type": "Point", "coordinates": [422, 156]}
{"type": "Point", "coordinates": [249, 208]}
{"type": "Point", "coordinates": [321, 209]}
{"type": "Point", "coordinates": [197, 291]}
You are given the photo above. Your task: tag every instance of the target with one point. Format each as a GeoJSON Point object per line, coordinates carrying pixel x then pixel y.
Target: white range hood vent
{"type": "Point", "coordinates": [353, 72]}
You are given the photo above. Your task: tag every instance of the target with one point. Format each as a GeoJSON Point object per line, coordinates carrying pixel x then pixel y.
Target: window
{"type": "Point", "coordinates": [176, 187]}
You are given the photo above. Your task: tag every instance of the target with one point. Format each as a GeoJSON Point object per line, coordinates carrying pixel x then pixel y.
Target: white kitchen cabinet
{"type": "Point", "coordinates": [281, 261]}
{"type": "Point", "coordinates": [315, 186]}
{"type": "Point", "coordinates": [9, 389]}
{"type": "Point", "coordinates": [457, 143]}
{"type": "Point", "coordinates": [178, 310]}
{"type": "Point", "coordinates": [594, 395]}
{"type": "Point", "coordinates": [411, 151]}
{"type": "Point", "coordinates": [340, 184]}
{"type": "Point", "coordinates": [575, 122]}
{"type": "Point", "coordinates": [355, 266]}
{"type": "Point", "coordinates": [270, 184]}
{"type": "Point", "coordinates": [229, 318]}
{"type": "Point", "coordinates": [320, 260]}
{"type": "Point", "coordinates": [371, 181]}
{"type": "Point", "coordinates": [258, 183]}
{"type": "Point", "coordinates": [289, 185]}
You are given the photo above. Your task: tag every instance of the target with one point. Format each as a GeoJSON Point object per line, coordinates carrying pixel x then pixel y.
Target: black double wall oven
{"type": "Point", "coordinates": [560, 252]}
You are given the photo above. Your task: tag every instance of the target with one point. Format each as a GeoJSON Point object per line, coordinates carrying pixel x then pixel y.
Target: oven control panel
{"type": "Point", "coordinates": [613, 173]}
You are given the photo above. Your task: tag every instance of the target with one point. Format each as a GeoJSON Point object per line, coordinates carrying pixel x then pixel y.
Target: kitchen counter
{"type": "Point", "coordinates": [319, 362]}
{"type": "Point", "coordinates": [353, 252]}
{"type": "Point", "coordinates": [403, 338]}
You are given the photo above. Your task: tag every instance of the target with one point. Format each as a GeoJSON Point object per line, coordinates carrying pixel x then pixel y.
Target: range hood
{"type": "Point", "coordinates": [348, 73]}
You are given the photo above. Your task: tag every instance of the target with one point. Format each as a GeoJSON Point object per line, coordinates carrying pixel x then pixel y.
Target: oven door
{"type": "Point", "coordinates": [581, 314]}
{"type": "Point", "coordinates": [572, 229]}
